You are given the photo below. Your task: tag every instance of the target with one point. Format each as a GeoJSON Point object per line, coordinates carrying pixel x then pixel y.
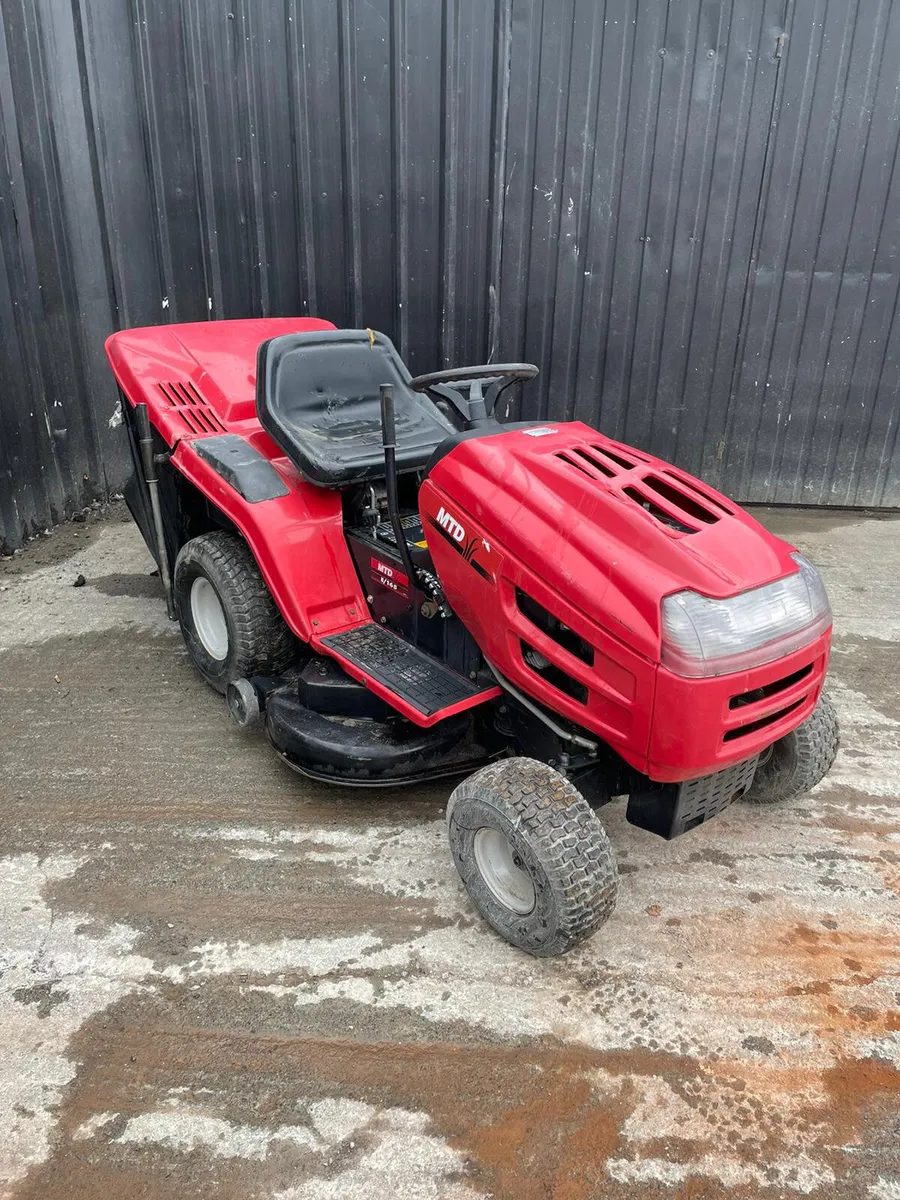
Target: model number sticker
{"type": "Point", "coordinates": [541, 432]}
{"type": "Point", "coordinates": [389, 577]}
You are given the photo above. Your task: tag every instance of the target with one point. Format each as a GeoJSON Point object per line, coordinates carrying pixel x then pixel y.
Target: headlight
{"type": "Point", "coordinates": [703, 636]}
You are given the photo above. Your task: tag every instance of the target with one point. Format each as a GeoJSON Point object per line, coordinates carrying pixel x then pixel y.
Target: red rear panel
{"type": "Point", "coordinates": [198, 379]}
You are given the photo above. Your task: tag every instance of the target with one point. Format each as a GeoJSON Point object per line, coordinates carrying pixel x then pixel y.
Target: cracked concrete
{"type": "Point", "coordinates": [221, 980]}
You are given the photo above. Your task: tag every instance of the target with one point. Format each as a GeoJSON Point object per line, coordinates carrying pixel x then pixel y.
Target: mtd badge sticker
{"type": "Point", "coordinates": [477, 552]}
{"type": "Point", "coordinates": [389, 577]}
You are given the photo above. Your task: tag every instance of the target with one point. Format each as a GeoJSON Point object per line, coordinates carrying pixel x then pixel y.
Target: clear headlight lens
{"type": "Point", "coordinates": [703, 636]}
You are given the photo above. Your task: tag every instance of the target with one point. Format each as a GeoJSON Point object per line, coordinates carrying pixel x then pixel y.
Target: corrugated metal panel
{"type": "Point", "coordinates": [687, 221]}
{"type": "Point", "coordinates": [815, 409]}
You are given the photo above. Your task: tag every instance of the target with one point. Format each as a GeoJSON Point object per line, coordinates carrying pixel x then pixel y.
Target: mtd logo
{"type": "Point", "coordinates": [451, 525]}
{"type": "Point", "coordinates": [473, 548]}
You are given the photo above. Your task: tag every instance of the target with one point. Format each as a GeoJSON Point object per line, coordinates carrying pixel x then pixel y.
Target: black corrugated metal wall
{"type": "Point", "coordinates": [687, 213]}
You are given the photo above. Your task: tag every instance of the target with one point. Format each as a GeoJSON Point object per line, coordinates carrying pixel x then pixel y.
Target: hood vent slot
{"type": "Point", "coordinates": [660, 514]}
{"type": "Point", "coordinates": [593, 467]}
{"type": "Point", "coordinates": [596, 461]}
{"type": "Point", "coordinates": [694, 487]}
{"type": "Point", "coordinates": [196, 414]}
{"type": "Point", "coordinates": [680, 498]}
{"type": "Point", "coordinates": [674, 502]}
{"type": "Point", "coordinates": [623, 463]}
{"type": "Point", "coordinates": [570, 461]}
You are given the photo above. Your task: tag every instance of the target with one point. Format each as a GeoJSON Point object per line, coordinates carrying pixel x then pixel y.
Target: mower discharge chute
{"type": "Point", "coordinates": [400, 588]}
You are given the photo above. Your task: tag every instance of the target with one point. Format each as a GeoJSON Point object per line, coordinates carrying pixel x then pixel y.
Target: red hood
{"type": "Point", "coordinates": [610, 528]}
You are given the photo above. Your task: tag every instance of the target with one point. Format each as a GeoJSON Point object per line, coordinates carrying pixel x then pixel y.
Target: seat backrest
{"type": "Point", "coordinates": [318, 395]}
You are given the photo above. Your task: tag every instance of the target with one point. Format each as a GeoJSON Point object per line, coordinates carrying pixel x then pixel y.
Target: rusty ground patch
{"type": "Point", "coordinates": [221, 981]}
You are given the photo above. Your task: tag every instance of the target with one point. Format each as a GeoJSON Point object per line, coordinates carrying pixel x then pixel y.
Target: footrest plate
{"type": "Point", "coordinates": [423, 683]}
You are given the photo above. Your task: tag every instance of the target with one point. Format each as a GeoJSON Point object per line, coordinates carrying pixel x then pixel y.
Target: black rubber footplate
{"type": "Point", "coordinates": [410, 674]}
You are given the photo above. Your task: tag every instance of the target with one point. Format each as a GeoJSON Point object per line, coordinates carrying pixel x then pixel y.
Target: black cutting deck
{"type": "Point", "coordinates": [409, 673]}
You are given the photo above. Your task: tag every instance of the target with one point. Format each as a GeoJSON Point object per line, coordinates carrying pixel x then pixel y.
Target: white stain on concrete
{"type": "Point", "coordinates": [387, 1152]}
{"type": "Point", "coordinates": [337, 1118]}
{"type": "Point", "coordinates": [869, 758]}
{"type": "Point", "coordinates": [185, 1131]}
{"type": "Point", "coordinates": [89, 1128]}
{"type": "Point", "coordinates": [798, 1174]}
{"type": "Point", "coordinates": [411, 862]}
{"type": "Point", "coordinates": [398, 1158]}
{"type": "Point", "coordinates": [316, 956]}
{"type": "Point", "coordinates": [55, 973]}
{"type": "Point", "coordinates": [885, 1189]}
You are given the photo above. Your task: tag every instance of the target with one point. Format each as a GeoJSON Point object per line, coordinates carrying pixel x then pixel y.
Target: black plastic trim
{"type": "Point", "coordinates": [244, 468]}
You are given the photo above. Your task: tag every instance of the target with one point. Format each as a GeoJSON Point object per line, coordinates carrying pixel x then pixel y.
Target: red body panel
{"type": "Point", "coordinates": [210, 370]}
{"type": "Point", "coordinates": [692, 718]}
{"type": "Point", "coordinates": [561, 511]}
{"type": "Point", "coordinates": [298, 541]}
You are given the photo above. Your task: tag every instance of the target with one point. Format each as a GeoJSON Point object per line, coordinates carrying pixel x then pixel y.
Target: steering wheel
{"type": "Point", "coordinates": [478, 406]}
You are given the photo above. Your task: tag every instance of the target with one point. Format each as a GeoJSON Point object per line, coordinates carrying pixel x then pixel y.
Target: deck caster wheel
{"type": "Point", "coordinates": [231, 626]}
{"type": "Point", "coordinates": [799, 760]}
{"type": "Point", "coordinates": [534, 857]}
{"type": "Point", "coordinates": [243, 704]}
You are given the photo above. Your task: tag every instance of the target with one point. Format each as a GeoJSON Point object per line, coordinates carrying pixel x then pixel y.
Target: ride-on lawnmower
{"type": "Point", "coordinates": [400, 588]}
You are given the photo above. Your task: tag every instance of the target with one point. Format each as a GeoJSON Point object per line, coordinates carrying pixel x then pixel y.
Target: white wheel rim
{"type": "Point", "coordinates": [501, 871]}
{"type": "Point", "coordinates": [209, 618]}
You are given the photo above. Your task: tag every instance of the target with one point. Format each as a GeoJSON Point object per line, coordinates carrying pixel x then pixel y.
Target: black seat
{"type": "Point", "coordinates": [318, 396]}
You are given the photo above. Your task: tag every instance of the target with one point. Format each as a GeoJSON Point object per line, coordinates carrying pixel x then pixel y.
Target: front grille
{"type": "Point", "coordinates": [769, 689]}
{"type": "Point", "coordinates": [552, 674]}
{"type": "Point", "coordinates": [554, 628]}
{"type": "Point", "coordinates": [754, 726]}
{"type": "Point", "coordinates": [195, 413]}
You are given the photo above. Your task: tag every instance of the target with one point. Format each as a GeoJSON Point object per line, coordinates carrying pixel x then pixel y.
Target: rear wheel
{"type": "Point", "coordinates": [231, 625]}
{"type": "Point", "coordinates": [796, 762]}
{"type": "Point", "coordinates": [533, 855]}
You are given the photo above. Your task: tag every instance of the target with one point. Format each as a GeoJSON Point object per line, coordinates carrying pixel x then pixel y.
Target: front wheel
{"type": "Point", "coordinates": [796, 762]}
{"type": "Point", "coordinates": [533, 855]}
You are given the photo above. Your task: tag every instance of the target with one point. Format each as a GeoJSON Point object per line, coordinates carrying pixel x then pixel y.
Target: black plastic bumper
{"type": "Point", "coordinates": [675, 808]}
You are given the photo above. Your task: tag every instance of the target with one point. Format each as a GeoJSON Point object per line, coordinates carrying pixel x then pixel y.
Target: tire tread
{"type": "Point", "coordinates": [813, 748]}
{"type": "Point", "coordinates": [263, 642]}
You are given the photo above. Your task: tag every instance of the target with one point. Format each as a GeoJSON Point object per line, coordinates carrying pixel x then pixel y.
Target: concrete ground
{"type": "Point", "coordinates": [218, 979]}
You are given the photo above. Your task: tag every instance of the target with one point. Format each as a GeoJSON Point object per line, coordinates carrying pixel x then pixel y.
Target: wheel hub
{"type": "Point", "coordinates": [503, 871]}
{"type": "Point", "coordinates": [208, 618]}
